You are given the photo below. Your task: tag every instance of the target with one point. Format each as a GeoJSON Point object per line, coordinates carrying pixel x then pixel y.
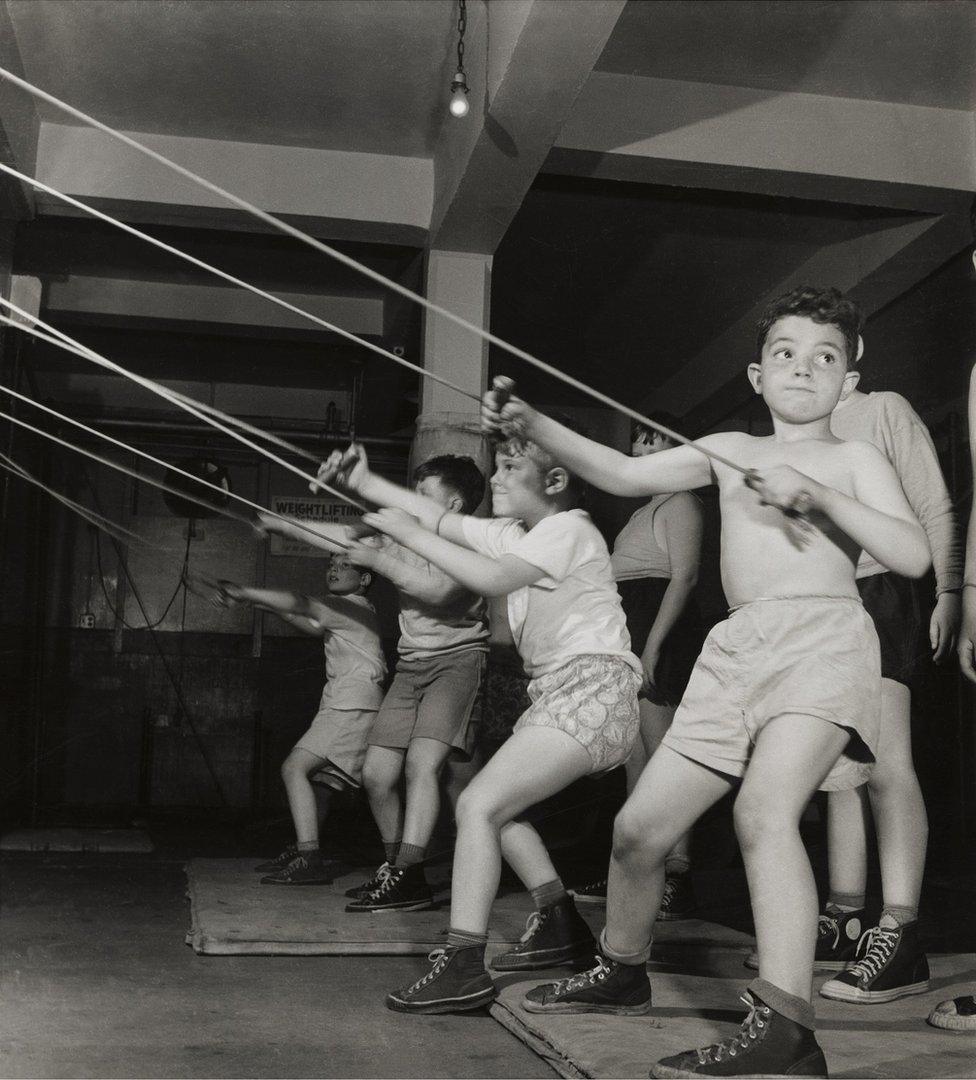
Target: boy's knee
{"type": "Point", "coordinates": [633, 834]}
{"type": "Point", "coordinates": [376, 781]}
{"type": "Point", "coordinates": [291, 769]}
{"type": "Point", "coordinates": [756, 817]}
{"type": "Point", "coordinates": [420, 771]}
{"type": "Point", "coordinates": [473, 806]}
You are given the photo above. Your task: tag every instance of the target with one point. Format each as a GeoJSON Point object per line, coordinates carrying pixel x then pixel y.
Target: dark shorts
{"type": "Point", "coordinates": [641, 598]}
{"type": "Point", "coordinates": [431, 698]}
{"type": "Point", "coordinates": [892, 602]}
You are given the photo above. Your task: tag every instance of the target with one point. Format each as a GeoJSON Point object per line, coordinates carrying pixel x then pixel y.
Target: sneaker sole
{"type": "Point", "coordinates": [952, 1023]}
{"type": "Point", "coordinates": [676, 916]}
{"type": "Point", "coordinates": [414, 905]}
{"type": "Point", "coordinates": [444, 1005]}
{"type": "Point", "coordinates": [841, 992]}
{"type": "Point", "coordinates": [665, 1072]}
{"type": "Point", "coordinates": [569, 1007]}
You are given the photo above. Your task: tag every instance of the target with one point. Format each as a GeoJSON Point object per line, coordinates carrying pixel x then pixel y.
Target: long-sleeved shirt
{"type": "Point", "coordinates": [886, 420]}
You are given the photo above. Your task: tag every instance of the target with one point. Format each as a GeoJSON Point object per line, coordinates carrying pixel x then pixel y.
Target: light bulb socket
{"type": "Point", "coordinates": [459, 82]}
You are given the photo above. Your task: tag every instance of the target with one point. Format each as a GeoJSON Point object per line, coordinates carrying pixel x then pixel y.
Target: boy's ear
{"type": "Point", "coordinates": [557, 480]}
{"type": "Point", "coordinates": [754, 371]}
{"type": "Point", "coordinates": [851, 379]}
{"type": "Point", "coordinates": [365, 579]}
{"type": "Point", "coordinates": [455, 504]}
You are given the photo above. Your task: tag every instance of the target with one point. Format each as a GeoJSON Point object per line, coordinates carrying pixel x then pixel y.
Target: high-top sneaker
{"type": "Point", "coordinates": [956, 1014]}
{"type": "Point", "coordinates": [357, 892]}
{"type": "Point", "coordinates": [620, 989]}
{"type": "Point", "coordinates": [767, 1044]}
{"type": "Point", "coordinates": [305, 869]}
{"type": "Point", "coordinates": [554, 935]}
{"type": "Point", "coordinates": [405, 888]}
{"type": "Point", "coordinates": [838, 933]}
{"type": "Point", "coordinates": [678, 901]}
{"type": "Point", "coordinates": [279, 862]}
{"type": "Point", "coordinates": [456, 982]}
{"type": "Point", "coordinates": [593, 893]}
{"type": "Point", "coordinates": [890, 964]}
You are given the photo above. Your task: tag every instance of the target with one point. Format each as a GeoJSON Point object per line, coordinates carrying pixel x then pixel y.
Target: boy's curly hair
{"type": "Point", "coordinates": [829, 307]}
{"type": "Point", "coordinates": [520, 446]}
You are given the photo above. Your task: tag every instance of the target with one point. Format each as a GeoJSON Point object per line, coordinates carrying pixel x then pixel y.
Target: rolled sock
{"type": "Point", "coordinates": [902, 916]}
{"type": "Point", "coordinates": [676, 864]}
{"type": "Point", "coordinates": [409, 854]}
{"type": "Point", "coordinates": [794, 1008]}
{"type": "Point", "coordinates": [549, 893]}
{"type": "Point", "coordinates": [637, 959]}
{"type": "Point", "coordinates": [391, 847]}
{"type": "Point", "coordinates": [308, 848]}
{"type": "Point", "coordinates": [466, 939]}
{"type": "Point", "coordinates": [846, 901]}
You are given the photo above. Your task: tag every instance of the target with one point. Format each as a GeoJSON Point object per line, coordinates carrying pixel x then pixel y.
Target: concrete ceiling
{"type": "Point", "coordinates": [367, 76]}
{"type": "Point", "coordinates": [639, 204]}
{"type": "Point", "coordinates": [897, 51]}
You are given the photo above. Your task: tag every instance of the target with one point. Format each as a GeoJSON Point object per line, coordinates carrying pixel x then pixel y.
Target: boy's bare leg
{"type": "Point", "coordinates": [524, 851]}
{"type": "Point", "coordinates": [654, 723]}
{"type": "Point", "coordinates": [896, 799]}
{"type": "Point", "coordinates": [898, 809]}
{"type": "Point", "coordinates": [382, 769]}
{"type": "Point", "coordinates": [670, 796]}
{"type": "Point", "coordinates": [793, 755]}
{"type": "Point", "coordinates": [295, 772]}
{"type": "Point", "coordinates": [422, 770]}
{"type": "Point", "coordinates": [533, 764]}
{"type": "Point", "coordinates": [848, 822]}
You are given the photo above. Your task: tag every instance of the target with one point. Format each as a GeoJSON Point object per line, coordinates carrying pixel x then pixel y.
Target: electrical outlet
{"type": "Point", "coordinates": [87, 621]}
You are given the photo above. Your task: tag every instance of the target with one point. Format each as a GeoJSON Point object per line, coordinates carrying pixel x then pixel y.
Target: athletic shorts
{"type": "Point", "coordinates": [594, 699]}
{"type": "Point", "coordinates": [641, 599]}
{"type": "Point", "coordinates": [892, 602]}
{"type": "Point", "coordinates": [339, 736]}
{"type": "Point", "coordinates": [811, 656]}
{"type": "Point", "coordinates": [431, 698]}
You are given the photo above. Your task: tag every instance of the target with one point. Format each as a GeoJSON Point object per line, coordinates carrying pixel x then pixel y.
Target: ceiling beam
{"type": "Point", "coordinates": [529, 60]}
{"type": "Point", "coordinates": [874, 268]}
{"type": "Point", "coordinates": [285, 180]}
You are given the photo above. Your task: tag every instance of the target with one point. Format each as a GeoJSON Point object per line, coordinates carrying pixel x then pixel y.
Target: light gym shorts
{"type": "Point", "coordinates": [339, 736]}
{"type": "Point", "coordinates": [812, 656]}
{"type": "Point", "coordinates": [594, 699]}
{"type": "Point", "coordinates": [431, 698]}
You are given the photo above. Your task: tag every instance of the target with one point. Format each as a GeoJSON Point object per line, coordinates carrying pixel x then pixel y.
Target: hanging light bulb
{"type": "Point", "coordinates": [459, 84]}
{"type": "Point", "coordinates": [459, 95]}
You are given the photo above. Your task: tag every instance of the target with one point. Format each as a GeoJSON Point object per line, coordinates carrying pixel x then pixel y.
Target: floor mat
{"type": "Point", "coordinates": [95, 840]}
{"type": "Point", "coordinates": [231, 913]}
{"type": "Point", "coordinates": [692, 1010]}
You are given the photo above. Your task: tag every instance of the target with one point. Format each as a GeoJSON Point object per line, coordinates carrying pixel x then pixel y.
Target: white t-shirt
{"type": "Point", "coordinates": [575, 609]}
{"type": "Point", "coordinates": [354, 664]}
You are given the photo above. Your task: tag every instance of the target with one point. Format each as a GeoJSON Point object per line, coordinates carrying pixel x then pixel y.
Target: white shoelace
{"type": "Point", "coordinates": [878, 945]}
{"type": "Point", "coordinates": [748, 1032]}
{"type": "Point", "coordinates": [583, 978]}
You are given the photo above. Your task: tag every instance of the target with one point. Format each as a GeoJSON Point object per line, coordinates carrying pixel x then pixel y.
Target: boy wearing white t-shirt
{"type": "Point", "coordinates": [569, 628]}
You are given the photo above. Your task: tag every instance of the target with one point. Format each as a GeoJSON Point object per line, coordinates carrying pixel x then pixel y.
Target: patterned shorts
{"type": "Point", "coordinates": [594, 699]}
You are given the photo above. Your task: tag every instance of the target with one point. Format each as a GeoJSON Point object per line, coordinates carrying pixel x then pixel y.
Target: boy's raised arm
{"type": "Point", "coordinates": [680, 469]}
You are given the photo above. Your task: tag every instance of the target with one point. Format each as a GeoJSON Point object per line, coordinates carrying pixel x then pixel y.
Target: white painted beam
{"type": "Point", "coordinates": [678, 121]}
{"type": "Point", "coordinates": [288, 180]}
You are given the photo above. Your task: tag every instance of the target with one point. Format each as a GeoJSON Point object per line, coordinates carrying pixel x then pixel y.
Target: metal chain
{"type": "Point", "coordinates": [461, 27]}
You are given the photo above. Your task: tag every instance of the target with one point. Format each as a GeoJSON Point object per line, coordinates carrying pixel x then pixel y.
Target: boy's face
{"type": "Point", "coordinates": [803, 370]}
{"type": "Point", "coordinates": [433, 488]}
{"type": "Point", "coordinates": [343, 578]}
{"type": "Point", "coordinates": [644, 444]}
{"type": "Point", "coordinates": [517, 486]}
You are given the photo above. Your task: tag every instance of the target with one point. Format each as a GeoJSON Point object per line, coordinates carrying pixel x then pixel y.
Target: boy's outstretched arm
{"type": "Point", "coordinates": [425, 583]}
{"type": "Point", "coordinates": [325, 535]}
{"type": "Point", "coordinates": [680, 469]}
{"type": "Point", "coordinates": [877, 517]}
{"type": "Point", "coordinates": [350, 470]}
{"type": "Point", "coordinates": [295, 608]}
{"type": "Point", "coordinates": [482, 574]}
